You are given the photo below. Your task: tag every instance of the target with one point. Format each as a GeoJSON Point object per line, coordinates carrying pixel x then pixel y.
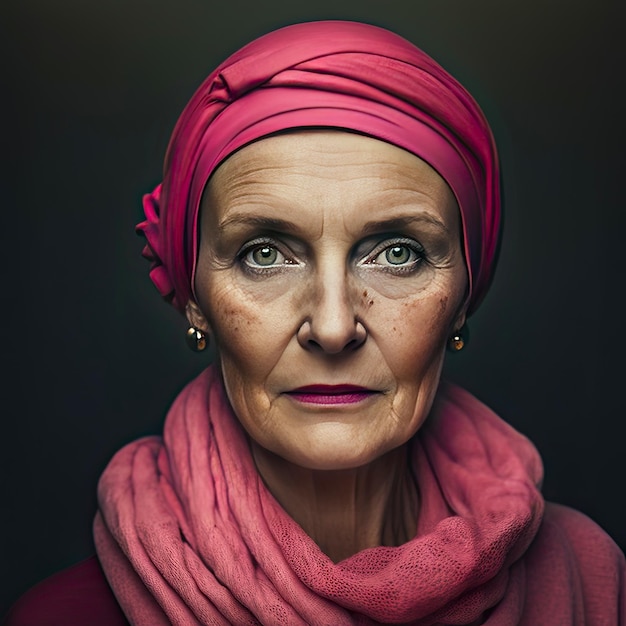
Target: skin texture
{"type": "Point", "coordinates": [328, 257]}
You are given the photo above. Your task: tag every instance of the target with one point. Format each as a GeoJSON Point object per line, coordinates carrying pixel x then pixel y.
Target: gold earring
{"type": "Point", "coordinates": [196, 339]}
{"type": "Point", "coordinates": [458, 340]}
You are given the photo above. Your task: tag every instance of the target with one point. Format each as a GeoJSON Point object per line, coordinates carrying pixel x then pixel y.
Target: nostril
{"type": "Point", "coordinates": [329, 340]}
{"type": "Point", "coordinates": [360, 335]}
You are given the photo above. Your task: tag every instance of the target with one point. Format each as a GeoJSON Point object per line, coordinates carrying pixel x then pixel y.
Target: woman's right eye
{"type": "Point", "coordinates": [263, 255]}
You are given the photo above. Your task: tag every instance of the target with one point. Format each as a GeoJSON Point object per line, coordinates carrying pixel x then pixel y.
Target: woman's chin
{"type": "Point", "coordinates": [333, 453]}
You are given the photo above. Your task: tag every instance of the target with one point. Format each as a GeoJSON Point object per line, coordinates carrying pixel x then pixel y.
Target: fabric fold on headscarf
{"type": "Point", "coordinates": [188, 533]}
{"type": "Point", "coordinates": [329, 74]}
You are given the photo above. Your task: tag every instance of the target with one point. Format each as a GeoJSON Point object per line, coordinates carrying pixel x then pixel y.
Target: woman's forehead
{"type": "Point", "coordinates": [339, 172]}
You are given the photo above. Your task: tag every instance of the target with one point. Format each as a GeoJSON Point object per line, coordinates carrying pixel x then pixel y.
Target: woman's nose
{"type": "Point", "coordinates": [332, 325]}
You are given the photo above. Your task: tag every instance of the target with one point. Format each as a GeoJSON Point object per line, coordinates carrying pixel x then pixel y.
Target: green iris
{"type": "Point", "coordinates": [398, 255]}
{"type": "Point", "coordinates": [265, 255]}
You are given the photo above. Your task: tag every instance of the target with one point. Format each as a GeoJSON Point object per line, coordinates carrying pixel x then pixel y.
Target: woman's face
{"type": "Point", "coordinates": [330, 275]}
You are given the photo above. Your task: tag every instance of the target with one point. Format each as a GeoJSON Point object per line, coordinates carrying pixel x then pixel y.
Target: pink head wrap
{"type": "Point", "coordinates": [344, 75]}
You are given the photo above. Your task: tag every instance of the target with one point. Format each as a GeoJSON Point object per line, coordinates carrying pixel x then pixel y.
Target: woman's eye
{"type": "Point", "coordinates": [265, 255]}
{"type": "Point", "coordinates": [397, 255]}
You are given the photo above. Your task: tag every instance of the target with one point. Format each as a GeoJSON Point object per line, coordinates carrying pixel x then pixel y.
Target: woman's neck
{"type": "Point", "coordinates": [346, 511]}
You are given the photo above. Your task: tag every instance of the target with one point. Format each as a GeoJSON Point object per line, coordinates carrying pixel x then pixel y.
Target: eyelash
{"type": "Point", "coordinates": [258, 244]}
{"type": "Point", "coordinates": [400, 242]}
{"type": "Point", "coordinates": [244, 256]}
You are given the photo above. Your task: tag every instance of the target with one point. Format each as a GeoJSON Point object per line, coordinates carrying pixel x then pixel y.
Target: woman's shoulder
{"type": "Point", "coordinates": [573, 562]}
{"type": "Point", "coordinates": [76, 596]}
{"type": "Point", "coordinates": [587, 542]}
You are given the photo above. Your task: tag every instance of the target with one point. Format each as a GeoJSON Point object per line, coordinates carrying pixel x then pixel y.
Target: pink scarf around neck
{"type": "Point", "coordinates": [187, 532]}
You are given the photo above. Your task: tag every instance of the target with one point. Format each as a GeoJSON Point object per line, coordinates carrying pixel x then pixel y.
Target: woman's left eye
{"type": "Point", "coordinates": [398, 255]}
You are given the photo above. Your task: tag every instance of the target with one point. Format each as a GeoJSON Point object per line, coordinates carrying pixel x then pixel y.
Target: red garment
{"type": "Point", "coordinates": [188, 534]}
{"type": "Point", "coordinates": [77, 596]}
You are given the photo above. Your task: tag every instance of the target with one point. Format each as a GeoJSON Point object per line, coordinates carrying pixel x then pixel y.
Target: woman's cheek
{"type": "Point", "coordinates": [414, 338]}
{"type": "Point", "coordinates": [248, 337]}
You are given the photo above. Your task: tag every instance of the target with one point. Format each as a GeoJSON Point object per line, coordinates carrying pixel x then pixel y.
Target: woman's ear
{"type": "Point", "coordinates": [460, 319]}
{"type": "Point", "coordinates": [196, 318]}
{"type": "Point", "coordinates": [459, 333]}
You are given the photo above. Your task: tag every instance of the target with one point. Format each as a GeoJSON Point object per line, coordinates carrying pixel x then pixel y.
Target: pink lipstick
{"type": "Point", "coordinates": [331, 394]}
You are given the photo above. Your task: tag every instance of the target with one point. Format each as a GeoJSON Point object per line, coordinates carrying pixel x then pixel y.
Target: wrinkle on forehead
{"type": "Point", "coordinates": [339, 176]}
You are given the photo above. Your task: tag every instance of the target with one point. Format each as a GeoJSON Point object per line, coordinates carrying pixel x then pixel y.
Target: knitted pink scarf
{"type": "Point", "coordinates": [188, 534]}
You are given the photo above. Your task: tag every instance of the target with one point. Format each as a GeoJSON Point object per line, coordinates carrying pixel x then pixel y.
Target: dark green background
{"type": "Point", "coordinates": [92, 357]}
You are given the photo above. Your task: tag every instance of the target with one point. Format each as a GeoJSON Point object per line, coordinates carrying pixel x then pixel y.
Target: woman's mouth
{"type": "Point", "coordinates": [331, 394]}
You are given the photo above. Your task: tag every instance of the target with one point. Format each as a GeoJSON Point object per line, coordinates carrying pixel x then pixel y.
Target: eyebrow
{"type": "Point", "coordinates": [400, 223]}
{"type": "Point", "coordinates": [259, 221]}
{"type": "Point", "coordinates": [374, 226]}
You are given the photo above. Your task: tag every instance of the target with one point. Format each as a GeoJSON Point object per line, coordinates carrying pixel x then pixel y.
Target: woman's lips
{"type": "Point", "coordinates": [331, 394]}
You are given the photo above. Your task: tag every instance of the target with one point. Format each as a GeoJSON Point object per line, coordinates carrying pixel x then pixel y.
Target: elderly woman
{"type": "Point", "coordinates": [329, 218]}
